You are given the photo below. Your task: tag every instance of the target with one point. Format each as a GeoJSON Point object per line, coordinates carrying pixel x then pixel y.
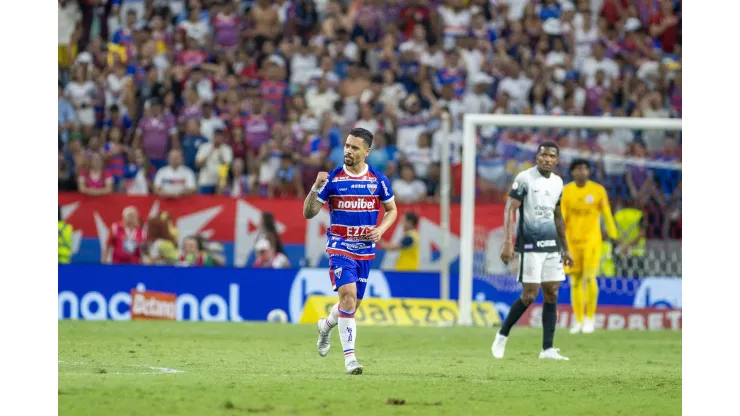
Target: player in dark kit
{"type": "Point", "coordinates": [354, 192]}
{"type": "Point", "coordinates": [540, 244]}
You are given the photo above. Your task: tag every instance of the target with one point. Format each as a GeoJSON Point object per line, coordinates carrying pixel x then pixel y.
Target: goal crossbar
{"type": "Point", "coordinates": [467, 211]}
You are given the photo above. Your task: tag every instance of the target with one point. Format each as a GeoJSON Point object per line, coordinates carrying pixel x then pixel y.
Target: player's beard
{"type": "Point", "coordinates": [349, 160]}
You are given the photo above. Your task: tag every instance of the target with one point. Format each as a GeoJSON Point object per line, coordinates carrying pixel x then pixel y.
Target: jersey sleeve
{"type": "Point", "coordinates": [563, 202]}
{"type": "Point", "coordinates": [606, 212]}
{"type": "Point", "coordinates": [324, 192]}
{"type": "Point", "coordinates": [519, 188]}
{"type": "Point", "coordinates": [386, 192]}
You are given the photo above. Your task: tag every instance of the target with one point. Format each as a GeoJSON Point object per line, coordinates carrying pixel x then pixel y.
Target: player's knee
{"type": "Point", "coordinates": [550, 294]}
{"type": "Point", "coordinates": [528, 298]}
{"type": "Point", "coordinates": [550, 297]}
{"type": "Point", "coordinates": [348, 302]}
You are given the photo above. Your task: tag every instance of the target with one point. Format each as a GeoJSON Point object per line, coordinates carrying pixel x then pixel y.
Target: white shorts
{"type": "Point", "coordinates": [540, 268]}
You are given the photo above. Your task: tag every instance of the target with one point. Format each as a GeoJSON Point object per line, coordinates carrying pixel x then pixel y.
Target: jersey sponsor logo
{"type": "Point", "coordinates": [546, 243]}
{"type": "Point", "coordinates": [351, 232]}
{"type": "Point", "coordinates": [359, 186]}
{"type": "Point", "coordinates": [355, 204]}
{"type": "Point", "coordinates": [385, 189]}
{"type": "Point", "coordinates": [361, 204]}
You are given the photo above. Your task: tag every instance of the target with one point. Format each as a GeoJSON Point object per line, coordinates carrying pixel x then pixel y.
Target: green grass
{"type": "Point", "coordinates": [274, 369]}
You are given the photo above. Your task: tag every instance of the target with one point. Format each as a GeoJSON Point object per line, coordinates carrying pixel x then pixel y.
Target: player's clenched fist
{"type": "Point", "coordinates": [321, 179]}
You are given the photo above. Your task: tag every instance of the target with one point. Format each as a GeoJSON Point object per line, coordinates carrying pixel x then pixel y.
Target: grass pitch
{"type": "Point", "coordinates": [197, 368]}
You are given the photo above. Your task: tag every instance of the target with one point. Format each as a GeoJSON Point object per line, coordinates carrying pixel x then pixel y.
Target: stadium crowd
{"type": "Point", "coordinates": [177, 97]}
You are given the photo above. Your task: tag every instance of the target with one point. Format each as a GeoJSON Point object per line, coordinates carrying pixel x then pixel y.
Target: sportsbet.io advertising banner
{"type": "Point", "coordinates": [102, 292]}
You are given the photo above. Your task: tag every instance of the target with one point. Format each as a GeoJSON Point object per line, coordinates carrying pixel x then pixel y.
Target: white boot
{"type": "Point", "coordinates": [499, 346]}
{"type": "Point", "coordinates": [552, 354]}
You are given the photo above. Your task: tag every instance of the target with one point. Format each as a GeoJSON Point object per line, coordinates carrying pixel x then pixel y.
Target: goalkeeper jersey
{"type": "Point", "coordinates": [582, 209]}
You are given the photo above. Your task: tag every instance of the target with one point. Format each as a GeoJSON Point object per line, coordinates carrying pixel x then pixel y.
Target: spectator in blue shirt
{"type": "Point", "coordinates": [67, 116]}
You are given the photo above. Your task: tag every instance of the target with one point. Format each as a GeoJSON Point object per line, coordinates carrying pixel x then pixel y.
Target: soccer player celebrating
{"type": "Point", "coordinates": [354, 192]}
{"type": "Point", "coordinates": [540, 244]}
{"type": "Point", "coordinates": [584, 202]}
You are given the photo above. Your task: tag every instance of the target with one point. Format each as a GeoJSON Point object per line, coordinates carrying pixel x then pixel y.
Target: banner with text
{"type": "Point", "coordinates": [101, 292]}
{"type": "Point", "coordinates": [402, 312]}
{"type": "Point", "coordinates": [235, 222]}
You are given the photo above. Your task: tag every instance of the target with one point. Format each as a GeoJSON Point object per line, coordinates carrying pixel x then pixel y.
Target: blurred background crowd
{"type": "Point", "coordinates": [254, 97]}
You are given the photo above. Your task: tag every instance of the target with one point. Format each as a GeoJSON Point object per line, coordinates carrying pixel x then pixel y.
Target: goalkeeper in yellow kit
{"type": "Point", "coordinates": [583, 203]}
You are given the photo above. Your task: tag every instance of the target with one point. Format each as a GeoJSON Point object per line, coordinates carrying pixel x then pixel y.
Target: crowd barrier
{"type": "Point", "coordinates": [102, 292]}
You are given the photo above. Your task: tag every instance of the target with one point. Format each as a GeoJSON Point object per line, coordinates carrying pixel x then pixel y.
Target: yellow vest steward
{"type": "Point", "coordinates": [408, 257]}
{"type": "Point", "coordinates": [607, 268]}
{"type": "Point", "coordinates": [628, 223]}
{"type": "Point", "coordinates": [65, 242]}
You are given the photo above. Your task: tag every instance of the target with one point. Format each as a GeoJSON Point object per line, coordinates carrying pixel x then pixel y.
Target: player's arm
{"type": "Point", "coordinates": [406, 242]}
{"type": "Point", "coordinates": [316, 198]}
{"type": "Point", "coordinates": [606, 212]}
{"type": "Point", "coordinates": [512, 206]}
{"type": "Point", "coordinates": [391, 213]}
{"type": "Point", "coordinates": [513, 203]}
{"type": "Point", "coordinates": [560, 227]}
{"type": "Point", "coordinates": [564, 205]}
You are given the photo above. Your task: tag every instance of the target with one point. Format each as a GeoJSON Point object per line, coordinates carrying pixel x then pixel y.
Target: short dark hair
{"type": "Point", "coordinates": [364, 134]}
{"type": "Point", "coordinates": [579, 162]}
{"type": "Point", "coordinates": [548, 144]}
{"type": "Point", "coordinates": [411, 216]}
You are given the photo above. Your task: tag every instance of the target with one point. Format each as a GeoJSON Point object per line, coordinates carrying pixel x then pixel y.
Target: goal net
{"type": "Point", "coordinates": [637, 160]}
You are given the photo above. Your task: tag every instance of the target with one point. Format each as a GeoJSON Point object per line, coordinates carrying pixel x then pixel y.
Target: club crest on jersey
{"type": "Point", "coordinates": [372, 187]}
{"type": "Point", "coordinates": [338, 273]}
{"type": "Point", "coordinates": [589, 199]}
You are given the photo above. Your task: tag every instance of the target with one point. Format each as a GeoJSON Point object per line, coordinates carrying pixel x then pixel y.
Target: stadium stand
{"type": "Point", "coordinates": [258, 95]}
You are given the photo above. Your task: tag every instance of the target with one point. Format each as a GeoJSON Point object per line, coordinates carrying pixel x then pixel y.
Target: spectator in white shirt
{"type": "Point", "coordinates": [517, 86]}
{"type": "Point", "coordinates": [80, 92]}
{"type": "Point", "coordinates": [599, 62]}
{"type": "Point", "coordinates": [321, 99]}
{"type": "Point", "coordinates": [174, 180]}
{"type": "Point", "coordinates": [302, 64]}
{"type": "Point", "coordinates": [421, 157]}
{"type": "Point", "coordinates": [408, 189]}
{"type": "Point", "coordinates": [392, 92]}
{"type": "Point", "coordinates": [477, 100]}
{"type": "Point", "coordinates": [267, 257]}
{"type": "Point", "coordinates": [210, 122]}
{"type": "Point", "coordinates": [196, 28]}
{"type": "Point", "coordinates": [211, 158]}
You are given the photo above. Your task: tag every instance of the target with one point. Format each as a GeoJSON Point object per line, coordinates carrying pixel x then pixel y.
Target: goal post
{"type": "Point", "coordinates": [471, 122]}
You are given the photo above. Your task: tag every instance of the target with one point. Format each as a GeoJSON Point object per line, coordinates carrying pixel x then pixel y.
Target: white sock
{"type": "Point", "coordinates": [331, 321]}
{"type": "Point", "coordinates": [348, 334]}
